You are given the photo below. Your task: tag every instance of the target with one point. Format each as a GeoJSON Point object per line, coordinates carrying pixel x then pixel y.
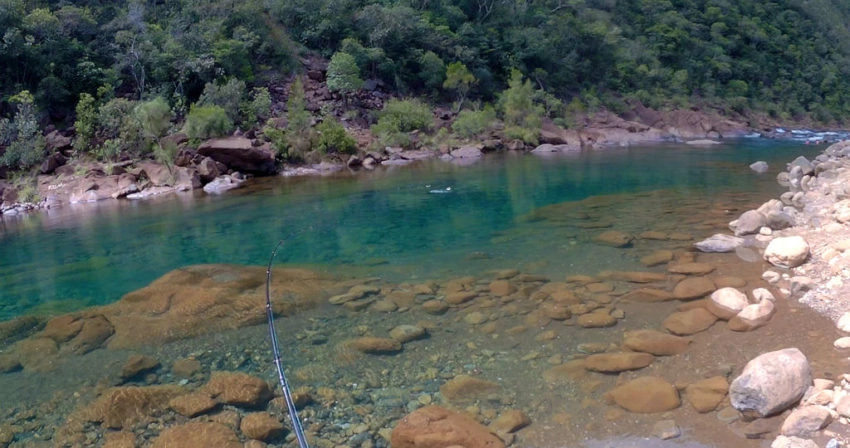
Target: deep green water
{"type": "Point", "coordinates": [387, 222]}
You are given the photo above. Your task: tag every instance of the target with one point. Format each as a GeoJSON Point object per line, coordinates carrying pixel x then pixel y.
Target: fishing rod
{"type": "Point", "coordinates": [287, 395]}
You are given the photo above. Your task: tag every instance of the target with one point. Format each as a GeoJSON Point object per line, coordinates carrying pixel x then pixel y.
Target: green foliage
{"type": "Point", "coordinates": [399, 118]}
{"type": "Point", "coordinates": [22, 134]}
{"type": "Point", "coordinates": [471, 123]}
{"type": "Point", "coordinates": [154, 117]}
{"type": "Point", "coordinates": [343, 74]}
{"type": "Point", "coordinates": [85, 123]}
{"type": "Point", "coordinates": [332, 137]}
{"type": "Point", "coordinates": [259, 108]}
{"type": "Point", "coordinates": [205, 122]}
{"type": "Point", "coordinates": [521, 116]}
{"type": "Point", "coordinates": [432, 71]}
{"type": "Point", "coordinates": [459, 79]}
{"type": "Point", "coordinates": [229, 96]}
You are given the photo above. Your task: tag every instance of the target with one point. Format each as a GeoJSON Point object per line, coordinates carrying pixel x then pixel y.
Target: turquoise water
{"type": "Point", "coordinates": [431, 220]}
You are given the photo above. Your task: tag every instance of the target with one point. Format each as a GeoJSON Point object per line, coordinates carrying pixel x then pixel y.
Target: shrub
{"type": "Point", "coordinates": [470, 123]}
{"type": "Point", "coordinates": [22, 134]}
{"type": "Point", "coordinates": [334, 138]}
{"type": "Point", "coordinates": [229, 96]}
{"type": "Point", "coordinates": [154, 118]}
{"type": "Point", "coordinates": [521, 116]}
{"type": "Point", "coordinates": [85, 122]}
{"type": "Point", "coordinates": [259, 108]}
{"type": "Point", "coordinates": [204, 122]}
{"type": "Point", "coordinates": [405, 116]}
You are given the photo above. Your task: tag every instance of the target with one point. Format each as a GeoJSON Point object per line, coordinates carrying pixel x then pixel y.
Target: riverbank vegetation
{"type": "Point", "coordinates": [109, 68]}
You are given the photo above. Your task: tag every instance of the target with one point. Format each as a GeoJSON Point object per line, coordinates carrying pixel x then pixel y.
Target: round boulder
{"type": "Point", "coordinates": [771, 382]}
{"type": "Point", "coordinates": [727, 302]}
{"type": "Point", "coordinates": [787, 252]}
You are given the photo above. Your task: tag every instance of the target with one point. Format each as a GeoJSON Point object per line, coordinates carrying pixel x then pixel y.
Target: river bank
{"type": "Point", "coordinates": [219, 165]}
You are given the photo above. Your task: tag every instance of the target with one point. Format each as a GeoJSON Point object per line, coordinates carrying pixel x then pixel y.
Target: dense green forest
{"type": "Point", "coordinates": [88, 61]}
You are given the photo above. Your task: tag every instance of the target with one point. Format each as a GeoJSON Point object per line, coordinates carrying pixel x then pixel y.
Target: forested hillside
{"type": "Point", "coordinates": [786, 59]}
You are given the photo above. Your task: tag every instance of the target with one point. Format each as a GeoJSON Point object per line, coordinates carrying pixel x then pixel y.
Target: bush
{"type": "Point", "coordinates": [204, 122]}
{"type": "Point", "coordinates": [334, 138]}
{"type": "Point", "coordinates": [521, 116]}
{"type": "Point", "coordinates": [470, 123]}
{"type": "Point", "coordinates": [22, 134]}
{"type": "Point", "coordinates": [229, 96]}
{"type": "Point", "coordinates": [85, 122]}
{"type": "Point", "coordinates": [405, 116]}
{"type": "Point", "coordinates": [259, 108]}
{"type": "Point", "coordinates": [154, 119]}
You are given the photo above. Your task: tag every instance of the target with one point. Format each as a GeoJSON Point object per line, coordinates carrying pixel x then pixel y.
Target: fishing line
{"type": "Point", "coordinates": [290, 404]}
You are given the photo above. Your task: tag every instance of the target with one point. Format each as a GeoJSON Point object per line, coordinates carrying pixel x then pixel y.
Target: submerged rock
{"type": "Point", "coordinates": [435, 427]}
{"type": "Point", "coordinates": [646, 395]}
{"type": "Point", "coordinates": [719, 243]}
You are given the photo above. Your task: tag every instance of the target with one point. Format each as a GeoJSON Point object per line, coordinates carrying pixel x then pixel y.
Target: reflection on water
{"type": "Point", "coordinates": [530, 222]}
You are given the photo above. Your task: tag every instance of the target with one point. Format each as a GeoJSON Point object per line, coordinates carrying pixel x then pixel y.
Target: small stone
{"type": "Point", "coordinates": [617, 362]}
{"type": "Point", "coordinates": [465, 387]}
{"type": "Point", "coordinates": [502, 288]}
{"type": "Point", "coordinates": [374, 345]}
{"type": "Point", "coordinates": [804, 421]}
{"type": "Point", "coordinates": [596, 319]}
{"type": "Point", "coordinates": [752, 316]}
{"type": "Point", "coordinates": [475, 318]}
{"type": "Point", "coordinates": [406, 333]}
{"type": "Point", "coordinates": [138, 364]}
{"type": "Point", "coordinates": [705, 395]}
{"type": "Point", "coordinates": [655, 342]}
{"type": "Point", "coordinates": [556, 311]}
{"type": "Point", "coordinates": [193, 404]}
{"type": "Point", "coordinates": [186, 368]}
{"type": "Point", "coordinates": [261, 426]}
{"type": "Point", "coordinates": [239, 389]}
{"type": "Point", "coordinates": [725, 303]}
{"type": "Point", "coordinates": [771, 277]}
{"type": "Point", "coordinates": [197, 435]}
{"type": "Point", "coordinates": [844, 322]}
{"type": "Point", "coordinates": [793, 442]}
{"type": "Point", "coordinates": [435, 307]}
{"type": "Point", "coordinates": [691, 268]}
{"type": "Point", "coordinates": [666, 429]}
{"type": "Point", "coordinates": [510, 421]}
{"type": "Point", "coordinates": [693, 288]}
{"type": "Point", "coordinates": [685, 323]}
{"type": "Point", "coordinates": [459, 297]}
{"type": "Point", "coordinates": [614, 238]}
{"type": "Point", "coordinates": [384, 306]}
{"type": "Point", "coordinates": [842, 343]}
{"type": "Point", "coordinates": [657, 257]}
{"type": "Point", "coordinates": [646, 395]}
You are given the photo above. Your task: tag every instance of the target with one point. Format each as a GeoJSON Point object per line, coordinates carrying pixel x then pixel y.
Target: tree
{"type": "Point", "coordinates": [432, 71]}
{"type": "Point", "coordinates": [343, 74]}
{"type": "Point", "coordinates": [460, 80]}
{"type": "Point", "coordinates": [26, 143]}
{"type": "Point", "coordinates": [521, 116]}
{"type": "Point", "coordinates": [85, 122]}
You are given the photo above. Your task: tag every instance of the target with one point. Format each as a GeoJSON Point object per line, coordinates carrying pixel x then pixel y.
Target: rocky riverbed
{"type": "Point", "coordinates": [505, 358]}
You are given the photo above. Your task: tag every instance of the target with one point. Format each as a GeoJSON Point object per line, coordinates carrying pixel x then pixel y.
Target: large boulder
{"type": "Point", "coordinates": [771, 382]}
{"type": "Point", "coordinates": [436, 427]}
{"type": "Point", "coordinates": [787, 252]}
{"type": "Point", "coordinates": [238, 153]}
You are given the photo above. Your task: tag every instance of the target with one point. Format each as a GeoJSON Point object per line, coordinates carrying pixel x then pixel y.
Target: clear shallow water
{"type": "Point", "coordinates": [390, 222]}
